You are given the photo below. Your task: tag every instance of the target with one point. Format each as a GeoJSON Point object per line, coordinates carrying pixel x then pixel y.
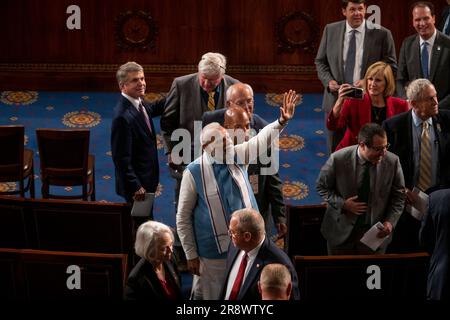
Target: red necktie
{"type": "Point", "coordinates": [238, 281]}
{"type": "Point", "coordinates": [145, 115]}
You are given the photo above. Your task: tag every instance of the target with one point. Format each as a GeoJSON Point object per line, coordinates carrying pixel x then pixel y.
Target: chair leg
{"type": "Point", "coordinates": [93, 186]}
{"type": "Point", "coordinates": [32, 194]}
{"type": "Point", "coordinates": [44, 189]}
{"type": "Point", "coordinates": [22, 188]}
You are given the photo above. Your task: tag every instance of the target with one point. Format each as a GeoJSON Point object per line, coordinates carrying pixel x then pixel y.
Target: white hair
{"type": "Point", "coordinates": [148, 236]}
{"type": "Point", "coordinates": [415, 89]}
{"type": "Point", "coordinates": [212, 64]}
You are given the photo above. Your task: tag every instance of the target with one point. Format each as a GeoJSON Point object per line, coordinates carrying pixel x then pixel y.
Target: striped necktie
{"type": "Point", "coordinates": [211, 102]}
{"type": "Point", "coordinates": [425, 158]}
{"type": "Point", "coordinates": [145, 116]}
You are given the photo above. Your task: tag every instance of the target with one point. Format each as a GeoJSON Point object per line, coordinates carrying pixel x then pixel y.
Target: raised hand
{"type": "Point", "coordinates": [287, 109]}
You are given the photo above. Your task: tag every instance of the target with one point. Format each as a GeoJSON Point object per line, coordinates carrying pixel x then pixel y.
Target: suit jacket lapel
{"type": "Point", "coordinates": [254, 271]}
{"type": "Point", "coordinates": [416, 64]}
{"type": "Point", "coordinates": [139, 119]}
{"type": "Point", "coordinates": [369, 38]}
{"type": "Point", "coordinates": [171, 270]}
{"type": "Point", "coordinates": [340, 48]}
{"type": "Point", "coordinates": [435, 56]}
{"type": "Point", "coordinates": [351, 169]}
{"type": "Point", "coordinates": [410, 140]}
{"type": "Point", "coordinates": [197, 107]}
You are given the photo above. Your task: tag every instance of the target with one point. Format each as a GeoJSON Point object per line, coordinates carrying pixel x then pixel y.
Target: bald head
{"type": "Point", "coordinates": [236, 118]}
{"type": "Point", "coordinates": [241, 95]}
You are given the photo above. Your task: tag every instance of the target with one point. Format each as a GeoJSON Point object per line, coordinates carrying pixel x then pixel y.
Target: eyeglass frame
{"type": "Point", "coordinates": [244, 103]}
{"type": "Point", "coordinates": [380, 148]}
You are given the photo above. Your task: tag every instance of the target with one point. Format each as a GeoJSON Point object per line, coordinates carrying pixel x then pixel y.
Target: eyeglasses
{"type": "Point", "coordinates": [432, 99]}
{"type": "Point", "coordinates": [232, 233]}
{"type": "Point", "coordinates": [243, 103]}
{"type": "Point", "coordinates": [380, 148]}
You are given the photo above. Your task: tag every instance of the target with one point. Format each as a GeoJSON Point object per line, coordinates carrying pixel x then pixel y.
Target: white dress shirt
{"type": "Point", "coordinates": [359, 35]}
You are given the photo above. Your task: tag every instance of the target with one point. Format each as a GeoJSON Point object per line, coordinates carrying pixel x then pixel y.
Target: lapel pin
{"type": "Point", "coordinates": [257, 265]}
{"type": "Point", "coordinates": [439, 48]}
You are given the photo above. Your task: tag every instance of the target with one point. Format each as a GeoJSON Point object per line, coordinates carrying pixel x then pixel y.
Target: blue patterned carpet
{"type": "Point", "coordinates": [302, 145]}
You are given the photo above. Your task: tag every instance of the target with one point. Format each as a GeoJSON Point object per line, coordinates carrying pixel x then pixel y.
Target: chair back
{"type": "Point", "coordinates": [63, 153]}
{"type": "Point", "coordinates": [12, 148]}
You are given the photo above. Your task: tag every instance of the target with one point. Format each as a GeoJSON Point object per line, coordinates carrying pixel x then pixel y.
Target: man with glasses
{"type": "Point", "coordinates": [267, 188]}
{"type": "Point", "coordinates": [420, 137]}
{"type": "Point", "coordinates": [249, 252]}
{"type": "Point", "coordinates": [362, 185]}
{"type": "Point", "coordinates": [213, 187]}
{"type": "Point", "coordinates": [189, 97]}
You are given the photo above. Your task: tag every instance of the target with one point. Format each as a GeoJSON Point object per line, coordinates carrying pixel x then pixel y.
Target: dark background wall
{"type": "Point", "coordinates": [269, 43]}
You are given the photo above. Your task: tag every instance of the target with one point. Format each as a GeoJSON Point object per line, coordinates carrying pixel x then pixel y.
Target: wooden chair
{"type": "Point", "coordinates": [65, 161]}
{"type": "Point", "coordinates": [304, 237]}
{"type": "Point", "coordinates": [31, 275]}
{"type": "Point", "coordinates": [346, 277]}
{"type": "Point", "coordinates": [16, 162]}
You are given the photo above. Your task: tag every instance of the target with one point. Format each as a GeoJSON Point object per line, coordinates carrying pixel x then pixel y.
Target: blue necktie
{"type": "Point", "coordinates": [351, 57]}
{"type": "Point", "coordinates": [424, 59]}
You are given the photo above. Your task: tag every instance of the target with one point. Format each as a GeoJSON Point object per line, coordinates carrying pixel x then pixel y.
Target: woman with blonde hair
{"type": "Point", "coordinates": [377, 104]}
{"type": "Point", "coordinates": [155, 276]}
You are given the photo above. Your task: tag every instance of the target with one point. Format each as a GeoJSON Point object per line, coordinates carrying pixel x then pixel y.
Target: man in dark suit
{"type": "Point", "coordinates": [341, 60]}
{"type": "Point", "coordinates": [249, 252]}
{"type": "Point", "coordinates": [266, 187]}
{"type": "Point", "coordinates": [435, 237]}
{"type": "Point", "coordinates": [404, 132]}
{"type": "Point", "coordinates": [444, 22]}
{"type": "Point", "coordinates": [425, 55]}
{"type": "Point", "coordinates": [133, 136]}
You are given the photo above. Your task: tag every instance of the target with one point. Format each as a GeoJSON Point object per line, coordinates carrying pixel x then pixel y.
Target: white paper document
{"type": "Point", "coordinates": [370, 238]}
{"type": "Point", "coordinates": [142, 208]}
{"type": "Point", "coordinates": [420, 206]}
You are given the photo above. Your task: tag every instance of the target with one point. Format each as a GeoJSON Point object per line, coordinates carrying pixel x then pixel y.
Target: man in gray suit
{"type": "Point", "coordinates": [346, 50]}
{"type": "Point", "coordinates": [425, 55]}
{"type": "Point", "coordinates": [189, 97]}
{"type": "Point", "coordinates": [362, 185]}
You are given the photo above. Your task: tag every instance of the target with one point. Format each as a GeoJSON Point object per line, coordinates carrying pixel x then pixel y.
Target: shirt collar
{"type": "Point", "coordinates": [361, 159]}
{"type": "Point", "coordinates": [418, 122]}
{"type": "Point", "coordinates": [430, 41]}
{"type": "Point", "coordinates": [360, 29]}
{"type": "Point", "coordinates": [134, 102]}
{"type": "Point", "coordinates": [254, 252]}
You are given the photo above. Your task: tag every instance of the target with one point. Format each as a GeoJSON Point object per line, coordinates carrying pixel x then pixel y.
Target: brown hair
{"type": "Point", "coordinates": [345, 2]}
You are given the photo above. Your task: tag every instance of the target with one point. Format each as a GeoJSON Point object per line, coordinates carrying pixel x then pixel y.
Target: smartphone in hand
{"type": "Point", "coordinates": [356, 93]}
